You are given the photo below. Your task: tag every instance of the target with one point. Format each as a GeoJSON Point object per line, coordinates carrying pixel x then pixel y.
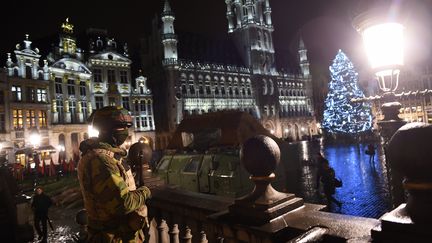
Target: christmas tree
{"type": "Point", "coordinates": [341, 116]}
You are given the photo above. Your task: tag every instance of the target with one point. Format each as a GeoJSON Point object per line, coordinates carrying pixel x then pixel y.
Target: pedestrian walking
{"type": "Point", "coordinates": [40, 205]}
{"type": "Point", "coordinates": [371, 152]}
{"type": "Point", "coordinates": [330, 182]}
{"type": "Point", "coordinates": [320, 168]}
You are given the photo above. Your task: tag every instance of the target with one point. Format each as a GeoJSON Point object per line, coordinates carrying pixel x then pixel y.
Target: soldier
{"type": "Point", "coordinates": [110, 197]}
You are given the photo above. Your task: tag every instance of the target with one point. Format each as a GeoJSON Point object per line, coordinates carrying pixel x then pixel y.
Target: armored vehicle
{"type": "Point", "coordinates": [203, 155]}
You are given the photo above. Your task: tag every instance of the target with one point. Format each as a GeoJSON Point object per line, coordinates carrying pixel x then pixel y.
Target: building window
{"type": "Point", "coordinates": [42, 119]}
{"type": "Point", "coordinates": [84, 109]}
{"type": "Point", "coordinates": [41, 95]}
{"type": "Point", "coordinates": [2, 100]}
{"type": "Point", "coordinates": [111, 76]}
{"type": "Point", "coordinates": [136, 105]}
{"type": "Point", "coordinates": [18, 119]}
{"type": "Point", "coordinates": [112, 101]}
{"type": "Point", "coordinates": [143, 121]}
{"type": "Point", "coordinates": [71, 87]}
{"type": "Point", "coordinates": [82, 88]}
{"type": "Point", "coordinates": [149, 108]}
{"type": "Point", "coordinates": [31, 94]}
{"type": "Point", "coordinates": [137, 122]}
{"type": "Point", "coordinates": [60, 111]}
{"type": "Point", "coordinates": [72, 109]}
{"type": "Point", "coordinates": [143, 107]}
{"type": "Point", "coordinates": [125, 103]}
{"type": "Point", "coordinates": [31, 119]}
{"type": "Point", "coordinates": [123, 77]}
{"type": "Point", "coordinates": [2, 122]}
{"type": "Point", "coordinates": [97, 75]}
{"type": "Point", "coordinates": [16, 93]}
{"type": "Point", "coordinates": [150, 122]}
{"type": "Point", "coordinates": [58, 86]}
{"type": "Point", "coordinates": [99, 102]}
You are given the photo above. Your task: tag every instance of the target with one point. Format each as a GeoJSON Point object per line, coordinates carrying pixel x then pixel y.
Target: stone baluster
{"type": "Point", "coordinates": [203, 238]}
{"type": "Point", "coordinates": [174, 234]}
{"type": "Point", "coordinates": [187, 238]}
{"type": "Point", "coordinates": [163, 232]}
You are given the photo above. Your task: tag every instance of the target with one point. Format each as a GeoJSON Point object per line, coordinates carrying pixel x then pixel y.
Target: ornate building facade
{"type": "Point", "coordinates": [26, 102]}
{"type": "Point", "coordinates": [193, 83]}
{"type": "Point", "coordinates": [57, 98]}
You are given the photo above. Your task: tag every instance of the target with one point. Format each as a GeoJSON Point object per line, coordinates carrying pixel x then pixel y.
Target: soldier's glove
{"type": "Point", "coordinates": [145, 191]}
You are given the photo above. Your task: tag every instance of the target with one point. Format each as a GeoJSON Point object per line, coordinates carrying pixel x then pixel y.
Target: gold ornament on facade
{"type": "Point", "coordinates": [88, 82]}
{"type": "Point", "coordinates": [67, 27]}
{"type": "Point", "coordinates": [79, 106]}
{"type": "Point", "coordinates": [65, 78]}
{"type": "Point", "coordinates": [66, 106]}
{"type": "Point", "coordinates": [89, 108]}
{"type": "Point", "coordinates": [54, 106]}
{"type": "Point", "coordinates": [52, 77]}
{"type": "Point", "coordinates": [77, 80]}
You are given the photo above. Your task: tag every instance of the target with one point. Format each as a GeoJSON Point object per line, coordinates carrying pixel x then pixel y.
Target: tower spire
{"type": "Point", "coordinates": [167, 7]}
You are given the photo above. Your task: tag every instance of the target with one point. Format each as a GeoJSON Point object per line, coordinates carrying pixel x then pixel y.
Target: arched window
{"type": "Point", "coordinates": [264, 87]}
{"type": "Point", "coordinates": [259, 39]}
{"type": "Point", "coordinates": [191, 84]}
{"type": "Point", "coordinates": [271, 87]}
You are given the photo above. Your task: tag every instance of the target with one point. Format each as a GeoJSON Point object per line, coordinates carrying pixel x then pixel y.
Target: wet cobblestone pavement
{"type": "Point", "coordinates": [64, 226]}
{"type": "Point", "coordinates": [364, 191]}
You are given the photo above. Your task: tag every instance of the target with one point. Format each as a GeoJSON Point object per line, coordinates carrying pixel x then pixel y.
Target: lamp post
{"type": "Point", "coordinates": [35, 140]}
{"type": "Point", "coordinates": [383, 39]}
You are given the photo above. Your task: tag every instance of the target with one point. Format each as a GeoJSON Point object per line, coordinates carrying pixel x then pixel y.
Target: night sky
{"type": "Point", "coordinates": [325, 25]}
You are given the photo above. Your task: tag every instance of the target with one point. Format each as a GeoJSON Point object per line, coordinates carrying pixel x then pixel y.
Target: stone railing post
{"type": "Point", "coordinates": [410, 153]}
{"type": "Point", "coordinates": [260, 156]}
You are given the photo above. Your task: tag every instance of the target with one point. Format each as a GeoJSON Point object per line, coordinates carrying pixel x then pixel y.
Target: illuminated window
{"type": "Point", "coordinates": [123, 77]}
{"type": "Point", "coordinates": [97, 75]}
{"type": "Point", "coordinates": [41, 95]}
{"type": "Point", "coordinates": [42, 119]}
{"type": "Point", "coordinates": [16, 93]}
{"type": "Point", "coordinates": [30, 118]}
{"type": "Point", "coordinates": [18, 119]}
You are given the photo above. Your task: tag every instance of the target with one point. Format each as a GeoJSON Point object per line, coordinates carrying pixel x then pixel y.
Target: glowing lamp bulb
{"type": "Point", "coordinates": [93, 132]}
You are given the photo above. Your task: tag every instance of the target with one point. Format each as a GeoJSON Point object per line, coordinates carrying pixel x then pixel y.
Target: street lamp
{"type": "Point", "coordinates": [35, 140]}
{"type": "Point", "coordinates": [383, 38]}
{"type": "Point", "coordinates": [92, 132]}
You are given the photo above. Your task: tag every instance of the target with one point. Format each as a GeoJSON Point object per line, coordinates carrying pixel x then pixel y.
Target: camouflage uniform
{"type": "Point", "coordinates": [109, 193]}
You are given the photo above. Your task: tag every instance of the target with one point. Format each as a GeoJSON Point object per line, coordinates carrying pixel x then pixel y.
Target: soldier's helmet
{"type": "Point", "coordinates": [110, 117]}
